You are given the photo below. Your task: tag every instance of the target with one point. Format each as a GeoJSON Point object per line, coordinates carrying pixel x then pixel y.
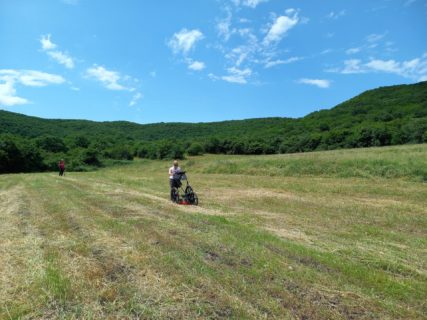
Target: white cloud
{"type": "Point", "coordinates": [184, 40]}
{"type": "Point", "coordinates": [110, 79]}
{"type": "Point", "coordinates": [253, 3]}
{"type": "Point", "coordinates": [335, 15]}
{"type": "Point", "coordinates": [248, 3]}
{"type": "Point", "coordinates": [353, 51]}
{"type": "Point", "coordinates": [352, 66]}
{"type": "Point", "coordinates": [236, 75]}
{"type": "Point", "coordinates": [384, 65]}
{"type": "Point", "coordinates": [136, 97]}
{"type": "Point", "coordinates": [10, 78]}
{"type": "Point", "coordinates": [38, 79]}
{"type": "Point", "coordinates": [414, 69]}
{"type": "Point", "coordinates": [375, 37]}
{"type": "Point", "coordinates": [321, 83]}
{"type": "Point", "coordinates": [8, 95]}
{"type": "Point", "coordinates": [59, 56]}
{"type": "Point", "coordinates": [62, 58]}
{"type": "Point", "coordinates": [46, 43]}
{"type": "Point", "coordinates": [197, 65]}
{"type": "Point", "coordinates": [326, 51]}
{"type": "Point", "coordinates": [281, 25]}
{"type": "Point", "coordinates": [270, 64]}
{"type": "Point", "coordinates": [224, 25]}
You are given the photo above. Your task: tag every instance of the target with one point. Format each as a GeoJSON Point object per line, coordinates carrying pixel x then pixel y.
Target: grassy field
{"type": "Point", "coordinates": [325, 235]}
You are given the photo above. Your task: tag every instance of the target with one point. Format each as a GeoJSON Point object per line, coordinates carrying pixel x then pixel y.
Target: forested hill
{"type": "Point", "coordinates": [384, 116]}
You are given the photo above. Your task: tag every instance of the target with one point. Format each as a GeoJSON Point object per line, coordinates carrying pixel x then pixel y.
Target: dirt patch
{"type": "Point", "coordinates": [112, 268]}
{"type": "Point", "coordinates": [310, 303]}
{"type": "Point", "coordinates": [211, 256]}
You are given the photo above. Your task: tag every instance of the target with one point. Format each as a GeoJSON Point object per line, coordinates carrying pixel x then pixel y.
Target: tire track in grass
{"type": "Point", "coordinates": [101, 209]}
{"type": "Point", "coordinates": [112, 263]}
{"type": "Point", "coordinates": [184, 240]}
{"type": "Point", "coordinates": [21, 264]}
{"type": "Point", "coordinates": [314, 295]}
{"type": "Point", "coordinates": [161, 237]}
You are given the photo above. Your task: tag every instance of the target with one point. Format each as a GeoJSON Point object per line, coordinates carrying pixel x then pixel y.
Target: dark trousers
{"type": "Point", "coordinates": [61, 171]}
{"type": "Point", "coordinates": [173, 184]}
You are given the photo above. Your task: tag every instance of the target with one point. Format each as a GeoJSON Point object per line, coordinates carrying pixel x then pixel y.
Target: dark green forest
{"type": "Point", "coordinates": [380, 117]}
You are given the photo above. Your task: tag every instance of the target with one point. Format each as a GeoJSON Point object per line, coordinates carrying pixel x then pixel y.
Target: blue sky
{"type": "Point", "coordinates": [203, 60]}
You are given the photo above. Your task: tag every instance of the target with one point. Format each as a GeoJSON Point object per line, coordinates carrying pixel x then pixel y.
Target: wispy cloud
{"type": "Point", "coordinates": [249, 48]}
{"type": "Point", "coordinates": [375, 37]}
{"type": "Point", "coordinates": [9, 78]}
{"type": "Point", "coordinates": [415, 69]}
{"type": "Point", "coordinates": [321, 83]}
{"type": "Point", "coordinates": [196, 65]}
{"type": "Point", "coordinates": [114, 80]}
{"type": "Point", "coordinates": [59, 56]}
{"type": "Point", "coordinates": [184, 40]}
{"type": "Point", "coordinates": [236, 75]}
{"type": "Point", "coordinates": [224, 25]}
{"type": "Point", "coordinates": [270, 64]}
{"type": "Point", "coordinates": [336, 14]}
{"type": "Point", "coordinates": [136, 97]}
{"type": "Point", "coordinates": [370, 43]}
{"type": "Point", "coordinates": [108, 78]}
{"type": "Point", "coordinates": [62, 58]}
{"type": "Point", "coordinates": [248, 3]}
{"type": "Point", "coordinates": [353, 51]}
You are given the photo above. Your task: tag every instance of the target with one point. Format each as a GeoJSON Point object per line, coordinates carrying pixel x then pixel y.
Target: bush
{"type": "Point", "coordinates": [195, 149]}
{"type": "Point", "coordinates": [19, 155]}
{"type": "Point", "coordinates": [120, 152]}
{"type": "Point", "coordinates": [169, 150]}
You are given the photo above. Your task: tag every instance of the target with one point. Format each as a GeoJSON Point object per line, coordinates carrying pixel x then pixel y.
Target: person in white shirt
{"type": "Point", "coordinates": [172, 170]}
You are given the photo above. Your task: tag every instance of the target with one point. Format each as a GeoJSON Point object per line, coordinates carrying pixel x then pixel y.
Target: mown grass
{"type": "Point", "coordinates": [262, 244]}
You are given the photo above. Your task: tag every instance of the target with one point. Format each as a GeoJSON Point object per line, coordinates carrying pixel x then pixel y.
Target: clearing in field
{"type": "Point", "coordinates": [326, 235]}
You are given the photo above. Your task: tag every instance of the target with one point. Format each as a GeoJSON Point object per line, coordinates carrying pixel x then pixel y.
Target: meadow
{"type": "Point", "coordinates": [323, 235]}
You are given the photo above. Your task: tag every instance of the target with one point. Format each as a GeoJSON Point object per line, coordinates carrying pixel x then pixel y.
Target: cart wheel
{"type": "Point", "coordinates": [192, 198]}
{"type": "Point", "coordinates": [188, 190]}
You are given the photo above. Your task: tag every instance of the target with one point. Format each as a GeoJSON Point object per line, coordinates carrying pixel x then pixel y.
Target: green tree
{"type": "Point", "coordinates": [195, 149]}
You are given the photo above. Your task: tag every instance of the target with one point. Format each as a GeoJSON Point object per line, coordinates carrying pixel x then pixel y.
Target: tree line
{"type": "Point", "coordinates": [380, 117]}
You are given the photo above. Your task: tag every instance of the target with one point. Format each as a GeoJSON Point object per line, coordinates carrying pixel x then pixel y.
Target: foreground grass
{"type": "Point", "coordinates": [341, 242]}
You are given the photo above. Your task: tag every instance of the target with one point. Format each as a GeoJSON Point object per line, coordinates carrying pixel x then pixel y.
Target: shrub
{"type": "Point", "coordinates": [195, 149]}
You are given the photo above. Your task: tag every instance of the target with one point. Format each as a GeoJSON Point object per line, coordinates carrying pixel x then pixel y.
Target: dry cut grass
{"type": "Point", "coordinates": [110, 245]}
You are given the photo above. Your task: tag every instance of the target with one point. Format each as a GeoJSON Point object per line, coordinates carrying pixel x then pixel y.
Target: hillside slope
{"type": "Point", "coordinates": [380, 105]}
{"type": "Point", "coordinates": [381, 117]}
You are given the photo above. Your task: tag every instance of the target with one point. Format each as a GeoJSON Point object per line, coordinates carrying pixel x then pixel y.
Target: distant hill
{"type": "Point", "coordinates": [384, 116]}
